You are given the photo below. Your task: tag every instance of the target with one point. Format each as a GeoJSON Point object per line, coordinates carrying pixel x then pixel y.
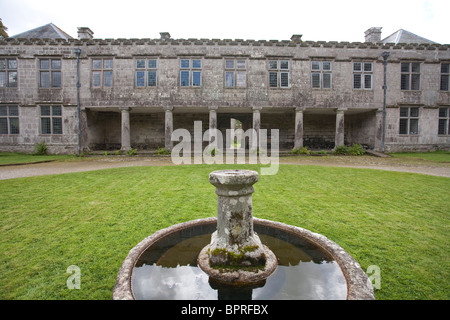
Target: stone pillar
{"type": "Point", "coordinates": [168, 144]}
{"type": "Point", "coordinates": [212, 121]}
{"type": "Point", "coordinates": [298, 139]}
{"type": "Point", "coordinates": [339, 137]}
{"type": "Point", "coordinates": [84, 143]}
{"type": "Point", "coordinates": [256, 126]}
{"type": "Point", "coordinates": [234, 190]}
{"type": "Point", "coordinates": [235, 255]}
{"type": "Point", "coordinates": [256, 118]}
{"type": "Point", "coordinates": [126, 138]}
{"type": "Point", "coordinates": [378, 129]}
{"type": "Point", "coordinates": [233, 124]}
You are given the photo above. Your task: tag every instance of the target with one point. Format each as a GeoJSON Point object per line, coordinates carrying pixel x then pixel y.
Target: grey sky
{"type": "Point", "coordinates": [344, 20]}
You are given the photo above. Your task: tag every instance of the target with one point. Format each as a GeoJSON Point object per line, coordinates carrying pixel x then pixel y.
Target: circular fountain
{"type": "Point", "coordinates": [237, 256]}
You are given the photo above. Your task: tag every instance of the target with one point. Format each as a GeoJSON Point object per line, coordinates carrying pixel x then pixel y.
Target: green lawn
{"type": "Point", "coordinates": [397, 221]}
{"type": "Point", "coordinates": [19, 158]}
{"type": "Point", "coordinates": [436, 156]}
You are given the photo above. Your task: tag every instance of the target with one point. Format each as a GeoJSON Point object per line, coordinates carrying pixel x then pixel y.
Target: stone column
{"type": "Point", "coordinates": [168, 144]}
{"type": "Point", "coordinates": [256, 118]}
{"type": "Point", "coordinates": [212, 121]}
{"type": "Point", "coordinates": [378, 129]}
{"type": "Point", "coordinates": [84, 143]}
{"type": "Point", "coordinates": [126, 138]}
{"type": "Point", "coordinates": [229, 138]}
{"type": "Point", "coordinates": [233, 124]}
{"type": "Point", "coordinates": [256, 126]}
{"type": "Point", "coordinates": [298, 139]}
{"type": "Point", "coordinates": [339, 137]}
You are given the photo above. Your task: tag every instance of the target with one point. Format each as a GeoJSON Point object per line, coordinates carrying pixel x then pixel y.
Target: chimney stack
{"type": "Point", "coordinates": [296, 37]}
{"type": "Point", "coordinates": [164, 36]}
{"type": "Point", "coordinates": [373, 35]}
{"type": "Point", "coordinates": [85, 33]}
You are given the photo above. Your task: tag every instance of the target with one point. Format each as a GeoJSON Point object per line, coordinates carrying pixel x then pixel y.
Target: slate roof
{"type": "Point", "coordinates": [48, 31]}
{"type": "Point", "coordinates": [404, 36]}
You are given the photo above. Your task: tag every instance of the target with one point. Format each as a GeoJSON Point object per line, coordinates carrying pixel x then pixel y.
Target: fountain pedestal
{"type": "Point", "coordinates": [236, 255]}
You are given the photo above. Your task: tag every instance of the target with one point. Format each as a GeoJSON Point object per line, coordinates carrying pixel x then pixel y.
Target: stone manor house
{"type": "Point", "coordinates": [133, 93]}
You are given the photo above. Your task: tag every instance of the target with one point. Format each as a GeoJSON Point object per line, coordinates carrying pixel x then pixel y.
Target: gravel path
{"type": "Point", "coordinates": [97, 163]}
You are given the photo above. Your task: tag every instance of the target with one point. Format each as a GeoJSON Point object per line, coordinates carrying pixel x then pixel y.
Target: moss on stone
{"type": "Point", "coordinates": [233, 261]}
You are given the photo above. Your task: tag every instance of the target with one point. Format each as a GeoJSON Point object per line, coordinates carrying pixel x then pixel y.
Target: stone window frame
{"type": "Point", "coordinates": [363, 74]}
{"type": "Point", "coordinates": [319, 71]}
{"type": "Point", "coordinates": [102, 70]}
{"type": "Point", "coordinates": [444, 121]}
{"type": "Point", "coordinates": [445, 77]}
{"type": "Point", "coordinates": [193, 69]}
{"type": "Point", "coordinates": [9, 72]}
{"type": "Point", "coordinates": [409, 121]}
{"type": "Point", "coordinates": [235, 69]}
{"type": "Point", "coordinates": [277, 71]}
{"type": "Point", "coordinates": [55, 119]}
{"type": "Point", "coordinates": [53, 70]}
{"type": "Point", "coordinates": [148, 69]}
{"type": "Point", "coordinates": [9, 119]}
{"type": "Point", "coordinates": [410, 74]}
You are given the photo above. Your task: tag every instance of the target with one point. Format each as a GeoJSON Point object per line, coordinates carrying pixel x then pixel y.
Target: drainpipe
{"type": "Point", "coordinates": [77, 51]}
{"type": "Point", "coordinates": [385, 56]}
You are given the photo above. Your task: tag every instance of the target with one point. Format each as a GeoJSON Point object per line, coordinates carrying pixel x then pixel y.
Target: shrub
{"type": "Point", "coordinates": [162, 151]}
{"type": "Point", "coordinates": [302, 150]}
{"type": "Point", "coordinates": [341, 150]}
{"type": "Point", "coordinates": [40, 149]}
{"type": "Point", "coordinates": [356, 150]}
{"type": "Point", "coordinates": [131, 152]}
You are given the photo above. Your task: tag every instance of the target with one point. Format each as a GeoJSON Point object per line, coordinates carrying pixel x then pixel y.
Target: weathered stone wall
{"type": "Point", "coordinates": [319, 131]}
{"type": "Point", "coordinates": [147, 113]}
{"type": "Point", "coordinates": [427, 139]}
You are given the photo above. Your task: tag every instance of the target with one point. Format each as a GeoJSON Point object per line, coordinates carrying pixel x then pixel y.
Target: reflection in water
{"type": "Point", "coordinates": [180, 283]}
{"type": "Point", "coordinates": [170, 272]}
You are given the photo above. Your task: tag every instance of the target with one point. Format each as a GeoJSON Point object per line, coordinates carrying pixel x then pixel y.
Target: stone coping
{"type": "Point", "coordinates": [225, 42]}
{"type": "Point", "coordinates": [359, 286]}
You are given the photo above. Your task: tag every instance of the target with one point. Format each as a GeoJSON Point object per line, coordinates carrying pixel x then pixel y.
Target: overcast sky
{"type": "Point", "coordinates": [325, 20]}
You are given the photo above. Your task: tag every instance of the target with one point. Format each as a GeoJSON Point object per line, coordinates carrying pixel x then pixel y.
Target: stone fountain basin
{"type": "Point", "coordinates": [358, 284]}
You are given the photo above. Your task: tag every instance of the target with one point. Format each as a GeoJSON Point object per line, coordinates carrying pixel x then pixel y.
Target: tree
{"type": "Point", "coordinates": [3, 29]}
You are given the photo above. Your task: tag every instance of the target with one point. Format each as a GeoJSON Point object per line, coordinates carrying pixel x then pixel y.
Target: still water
{"type": "Point", "coordinates": [169, 271]}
